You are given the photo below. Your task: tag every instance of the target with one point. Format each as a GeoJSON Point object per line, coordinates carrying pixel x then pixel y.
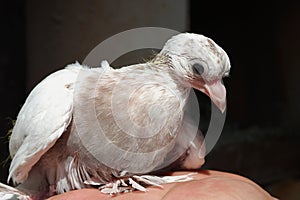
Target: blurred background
{"type": "Point", "coordinates": [261, 137]}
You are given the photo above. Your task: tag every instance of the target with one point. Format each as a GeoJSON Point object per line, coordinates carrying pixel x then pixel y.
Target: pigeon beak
{"type": "Point", "coordinates": [216, 92]}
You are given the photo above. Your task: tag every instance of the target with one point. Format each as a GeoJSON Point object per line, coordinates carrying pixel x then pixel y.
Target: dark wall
{"type": "Point", "coordinates": [248, 31]}
{"type": "Point", "coordinates": [12, 70]}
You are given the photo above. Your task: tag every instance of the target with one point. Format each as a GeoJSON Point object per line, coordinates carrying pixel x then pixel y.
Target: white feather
{"type": "Point", "coordinates": [48, 111]}
{"type": "Point", "coordinates": [9, 193]}
{"type": "Point", "coordinates": [45, 115]}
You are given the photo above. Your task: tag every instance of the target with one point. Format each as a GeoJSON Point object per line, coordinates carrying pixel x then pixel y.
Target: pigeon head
{"type": "Point", "coordinates": [199, 63]}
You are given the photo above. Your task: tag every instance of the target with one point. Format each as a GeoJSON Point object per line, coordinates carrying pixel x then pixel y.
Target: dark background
{"type": "Point", "coordinates": [261, 137]}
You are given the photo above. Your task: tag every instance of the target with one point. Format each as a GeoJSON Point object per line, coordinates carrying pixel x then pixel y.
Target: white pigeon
{"type": "Point", "coordinates": [74, 124]}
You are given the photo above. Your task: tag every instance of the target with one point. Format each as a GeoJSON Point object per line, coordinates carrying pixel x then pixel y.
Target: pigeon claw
{"type": "Point", "coordinates": [137, 183]}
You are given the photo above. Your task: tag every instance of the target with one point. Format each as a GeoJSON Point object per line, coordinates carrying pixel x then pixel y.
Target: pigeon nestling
{"type": "Point", "coordinates": [57, 144]}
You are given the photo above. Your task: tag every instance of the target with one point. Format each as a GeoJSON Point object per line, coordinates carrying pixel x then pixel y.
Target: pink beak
{"type": "Point", "coordinates": [216, 92]}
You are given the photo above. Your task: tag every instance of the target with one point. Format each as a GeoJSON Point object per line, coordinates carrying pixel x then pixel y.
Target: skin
{"type": "Point", "coordinates": [208, 185]}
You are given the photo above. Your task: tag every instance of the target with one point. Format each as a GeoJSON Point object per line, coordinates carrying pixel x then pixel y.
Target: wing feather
{"type": "Point", "coordinates": [43, 118]}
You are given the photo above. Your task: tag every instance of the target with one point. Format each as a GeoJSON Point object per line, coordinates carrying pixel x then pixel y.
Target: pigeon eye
{"type": "Point", "coordinates": [198, 68]}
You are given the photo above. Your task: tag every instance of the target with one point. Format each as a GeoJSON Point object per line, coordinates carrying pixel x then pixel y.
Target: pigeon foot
{"type": "Point", "coordinates": [139, 183]}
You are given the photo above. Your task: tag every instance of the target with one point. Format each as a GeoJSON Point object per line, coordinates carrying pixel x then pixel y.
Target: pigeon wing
{"type": "Point", "coordinates": [43, 118]}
